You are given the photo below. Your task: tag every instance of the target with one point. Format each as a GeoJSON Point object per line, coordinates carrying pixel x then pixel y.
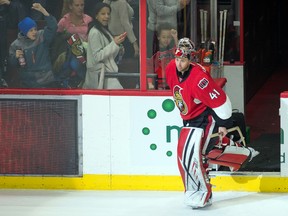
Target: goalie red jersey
{"type": "Point", "coordinates": [197, 91]}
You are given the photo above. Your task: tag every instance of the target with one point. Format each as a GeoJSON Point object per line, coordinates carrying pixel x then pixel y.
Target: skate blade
{"type": "Point", "coordinates": [201, 207]}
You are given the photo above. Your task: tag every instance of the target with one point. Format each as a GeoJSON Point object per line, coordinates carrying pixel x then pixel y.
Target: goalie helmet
{"type": "Point", "coordinates": [185, 49]}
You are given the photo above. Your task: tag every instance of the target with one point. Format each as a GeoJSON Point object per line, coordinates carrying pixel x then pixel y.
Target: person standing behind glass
{"type": "Point", "coordinates": [11, 12]}
{"type": "Point", "coordinates": [159, 12]}
{"type": "Point", "coordinates": [30, 51]}
{"type": "Point", "coordinates": [165, 52]}
{"type": "Point", "coordinates": [102, 50]}
{"type": "Point", "coordinates": [75, 21]}
{"type": "Point", "coordinates": [121, 21]}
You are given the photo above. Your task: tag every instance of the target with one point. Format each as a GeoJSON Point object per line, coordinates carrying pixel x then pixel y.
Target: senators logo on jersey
{"type": "Point", "coordinates": [180, 103]}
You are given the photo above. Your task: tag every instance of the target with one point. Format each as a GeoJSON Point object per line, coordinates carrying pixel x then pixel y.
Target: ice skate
{"type": "Point", "coordinates": [209, 203]}
{"type": "Point", "coordinates": [193, 205]}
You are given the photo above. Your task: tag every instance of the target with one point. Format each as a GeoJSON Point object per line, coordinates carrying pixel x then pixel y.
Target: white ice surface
{"type": "Point", "coordinates": [136, 203]}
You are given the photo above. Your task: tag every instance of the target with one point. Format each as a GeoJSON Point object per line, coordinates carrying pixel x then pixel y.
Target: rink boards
{"type": "Point", "coordinates": [129, 143]}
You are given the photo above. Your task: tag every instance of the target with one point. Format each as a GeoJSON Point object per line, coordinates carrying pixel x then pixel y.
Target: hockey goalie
{"type": "Point", "coordinates": [206, 110]}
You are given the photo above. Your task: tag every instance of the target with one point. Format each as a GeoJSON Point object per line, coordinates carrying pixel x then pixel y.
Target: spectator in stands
{"type": "Point", "coordinates": [71, 70]}
{"type": "Point", "coordinates": [75, 21]}
{"type": "Point", "coordinates": [167, 38]}
{"type": "Point", "coordinates": [11, 12]}
{"type": "Point", "coordinates": [121, 21]}
{"type": "Point", "coordinates": [33, 45]}
{"type": "Point", "coordinates": [102, 50]}
{"type": "Point", "coordinates": [159, 12]}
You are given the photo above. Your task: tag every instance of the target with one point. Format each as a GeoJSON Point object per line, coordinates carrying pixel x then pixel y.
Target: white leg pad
{"type": "Point", "coordinates": [190, 163]}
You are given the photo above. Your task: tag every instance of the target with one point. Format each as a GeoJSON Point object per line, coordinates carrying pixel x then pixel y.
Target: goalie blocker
{"type": "Point", "coordinates": [193, 162]}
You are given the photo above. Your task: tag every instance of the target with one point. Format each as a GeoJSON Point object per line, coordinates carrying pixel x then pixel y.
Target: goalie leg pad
{"type": "Point", "coordinates": [190, 163]}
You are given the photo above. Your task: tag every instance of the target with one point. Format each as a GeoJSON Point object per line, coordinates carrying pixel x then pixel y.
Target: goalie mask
{"type": "Point", "coordinates": [185, 49]}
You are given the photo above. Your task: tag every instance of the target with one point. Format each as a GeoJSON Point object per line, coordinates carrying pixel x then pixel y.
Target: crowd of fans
{"type": "Point", "coordinates": [79, 42]}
